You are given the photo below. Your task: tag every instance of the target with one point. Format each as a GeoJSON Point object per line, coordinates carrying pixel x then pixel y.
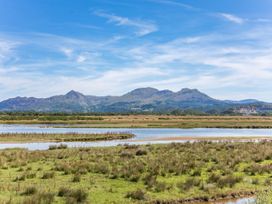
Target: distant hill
{"type": "Point", "coordinates": [138, 100]}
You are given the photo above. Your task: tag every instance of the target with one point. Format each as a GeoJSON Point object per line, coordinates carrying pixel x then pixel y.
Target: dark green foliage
{"type": "Point", "coordinates": [160, 186]}
{"type": "Point", "coordinates": [48, 175]}
{"type": "Point", "coordinates": [40, 198]}
{"type": "Point", "coordinates": [30, 190]}
{"type": "Point", "coordinates": [188, 184]}
{"type": "Point", "coordinates": [63, 192]}
{"type": "Point", "coordinates": [228, 181]}
{"type": "Point", "coordinates": [136, 195]}
{"type": "Point", "coordinates": [61, 146]}
{"type": "Point", "coordinates": [76, 178]}
{"type": "Point", "coordinates": [141, 152]}
{"type": "Point", "coordinates": [73, 195]}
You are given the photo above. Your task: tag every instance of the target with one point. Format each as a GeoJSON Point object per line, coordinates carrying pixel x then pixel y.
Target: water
{"type": "Point", "coordinates": [142, 135]}
{"type": "Point", "coordinates": [238, 201]}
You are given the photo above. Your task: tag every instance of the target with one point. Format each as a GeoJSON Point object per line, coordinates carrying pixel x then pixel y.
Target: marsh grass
{"type": "Point", "coordinates": [173, 172]}
{"type": "Point", "coordinates": [62, 137]}
{"type": "Point", "coordinates": [138, 121]}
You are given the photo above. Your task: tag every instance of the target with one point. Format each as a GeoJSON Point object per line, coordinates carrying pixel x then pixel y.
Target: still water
{"type": "Point", "coordinates": [142, 135]}
{"type": "Point", "coordinates": [238, 201]}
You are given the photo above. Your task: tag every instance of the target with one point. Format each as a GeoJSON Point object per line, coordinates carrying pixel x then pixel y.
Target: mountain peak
{"type": "Point", "coordinates": [148, 91]}
{"type": "Point", "coordinates": [74, 94]}
{"type": "Point", "coordinates": [187, 90]}
{"type": "Point", "coordinates": [192, 94]}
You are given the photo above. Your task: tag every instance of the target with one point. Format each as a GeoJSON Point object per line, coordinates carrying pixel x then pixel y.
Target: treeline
{"type": "Point", "coordinates": [47, 116]}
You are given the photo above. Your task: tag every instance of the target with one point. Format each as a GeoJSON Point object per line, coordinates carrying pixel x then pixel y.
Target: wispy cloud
{"type": "Point", "coordinates": [7, 47]}
{"type": "Point", "coordinates": [175, 3]}
{"type": "Point", "coordinates": [142, 27]}
{"type": "Point", "coordinates": [227, 16]}
{"type": "Point", "coordinates": [232, 18]}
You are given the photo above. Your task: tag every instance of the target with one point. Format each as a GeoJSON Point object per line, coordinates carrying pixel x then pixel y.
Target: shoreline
{"type": "Point", "coordinates": [217, 199]}
{"type": "Point", "coordinates": [208, 138]}
{"type": "Point", "coordinates": [163, 139]}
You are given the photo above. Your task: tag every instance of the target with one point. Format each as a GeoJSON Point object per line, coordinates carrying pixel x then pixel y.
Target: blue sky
{"type": "Point", "coordinates": [109, 47]}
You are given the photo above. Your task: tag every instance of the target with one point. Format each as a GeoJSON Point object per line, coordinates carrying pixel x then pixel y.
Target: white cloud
{"type": "Point", "coordinates": [232, 18]}
{"type": "Point", "coordinates": [143, 27]}
{"type": "Point", "coordinates": [117, 81]}
{"type": "Point", "coordinates": [68, 52]}
{"type": "Point", "coordinates": [81, 58]}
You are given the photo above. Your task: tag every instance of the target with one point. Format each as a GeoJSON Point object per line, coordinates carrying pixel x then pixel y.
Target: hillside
{"type": "Point", "coordinates": [138, 100]}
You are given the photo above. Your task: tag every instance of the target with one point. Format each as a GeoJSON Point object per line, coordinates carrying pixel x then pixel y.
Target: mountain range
{"type": "Point", "coordinates": [138, 100]}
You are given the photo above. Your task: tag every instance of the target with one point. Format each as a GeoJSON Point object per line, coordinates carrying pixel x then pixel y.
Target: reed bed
{"type": "Point", "coordinates": [63, 137]}
{"type": "Point", "coordinates": [141, 121]}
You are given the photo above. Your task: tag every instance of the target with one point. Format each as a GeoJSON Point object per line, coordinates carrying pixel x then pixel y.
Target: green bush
{"type": "Point", "coordinates": [188, 184]}
{"type": "Point", "coordinates": [73, 195]}
{"type": "Point", "coordinates": [76, 178]}
{"type": "Point", "coordinates": [136, 195]}
{"type": "Point", "coordinates": [30, 190]}
{"type": "Point", "coordinates": [48, 175]}
{"type": "Point", "coordinates": [40, 198]}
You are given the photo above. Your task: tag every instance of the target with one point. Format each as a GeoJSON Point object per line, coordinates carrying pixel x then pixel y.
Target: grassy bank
{"type": "Point", "coordinates": [61, 137]}
{"type": "Point", "coordinates": [131, 174]}
{"type": "Point", "coordinates": [143, 121]}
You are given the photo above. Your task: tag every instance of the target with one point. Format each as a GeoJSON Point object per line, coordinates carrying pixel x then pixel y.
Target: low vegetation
{"type": "Point", "coordinates": [62, 137]}
{"type": "Point", "coordinates": [138, 121]}
{"type": "Point", "coordinates": [202, 171]}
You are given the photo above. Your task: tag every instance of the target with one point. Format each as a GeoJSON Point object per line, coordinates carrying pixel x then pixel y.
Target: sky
{"type": "Point", "coordinates": [108, 47]}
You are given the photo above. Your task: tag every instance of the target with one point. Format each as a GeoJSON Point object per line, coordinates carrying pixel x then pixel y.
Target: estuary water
{"type": "Point", "coordinates": [142, 135]}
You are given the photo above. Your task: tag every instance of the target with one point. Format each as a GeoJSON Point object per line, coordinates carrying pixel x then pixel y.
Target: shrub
{"type": "Point", "coordinates": [228, 181]}
{"type": "Point", "coordinates": [30, 175]}
{"type": "Point", "coordinates": [213, 178]}
{"type": "Point", "coordinates": [141, 152]}
{"type": "Point", "coordinates": [76, 178]}
{"type": "Point", "coordinates": [63, 192]}
{"type": "Point", "coordinates": [30, 190]}
{"type": "Point", "coordinates": [78, 195]}
{"type": "Point", "coordinates": [150, 180]}
{"type": "Point", "coordinates": [48, 175]}
{"type": "Point", "coordinates": [255, 181]}
{"type": "Point", "coordinates": [61, 146]}
{"type": "Point", "coordinates": [73, 196]}
{"type": "Point", "coordinates": [136, 195]}
{"type": "Point", "coordinates": [40, 198]}
{"type": "Point", "coordinates": [160, 186]}
{"type": "Point", "coordinates": [188, 184]}
{"type": "Point", "coordinates": [135, 177]}
{"type": "Point", "coordinates": [20, 178]}
{"type": "Point", "coordinates": [45, 197]}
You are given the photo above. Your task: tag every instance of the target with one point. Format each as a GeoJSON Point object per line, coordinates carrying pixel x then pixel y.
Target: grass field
{"type": "Point", "coordinates": [143, 121]}
{"type": "Point", "coordinates": [61, 137]}
{"type": "Point", "coordinates": [135, 174]}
